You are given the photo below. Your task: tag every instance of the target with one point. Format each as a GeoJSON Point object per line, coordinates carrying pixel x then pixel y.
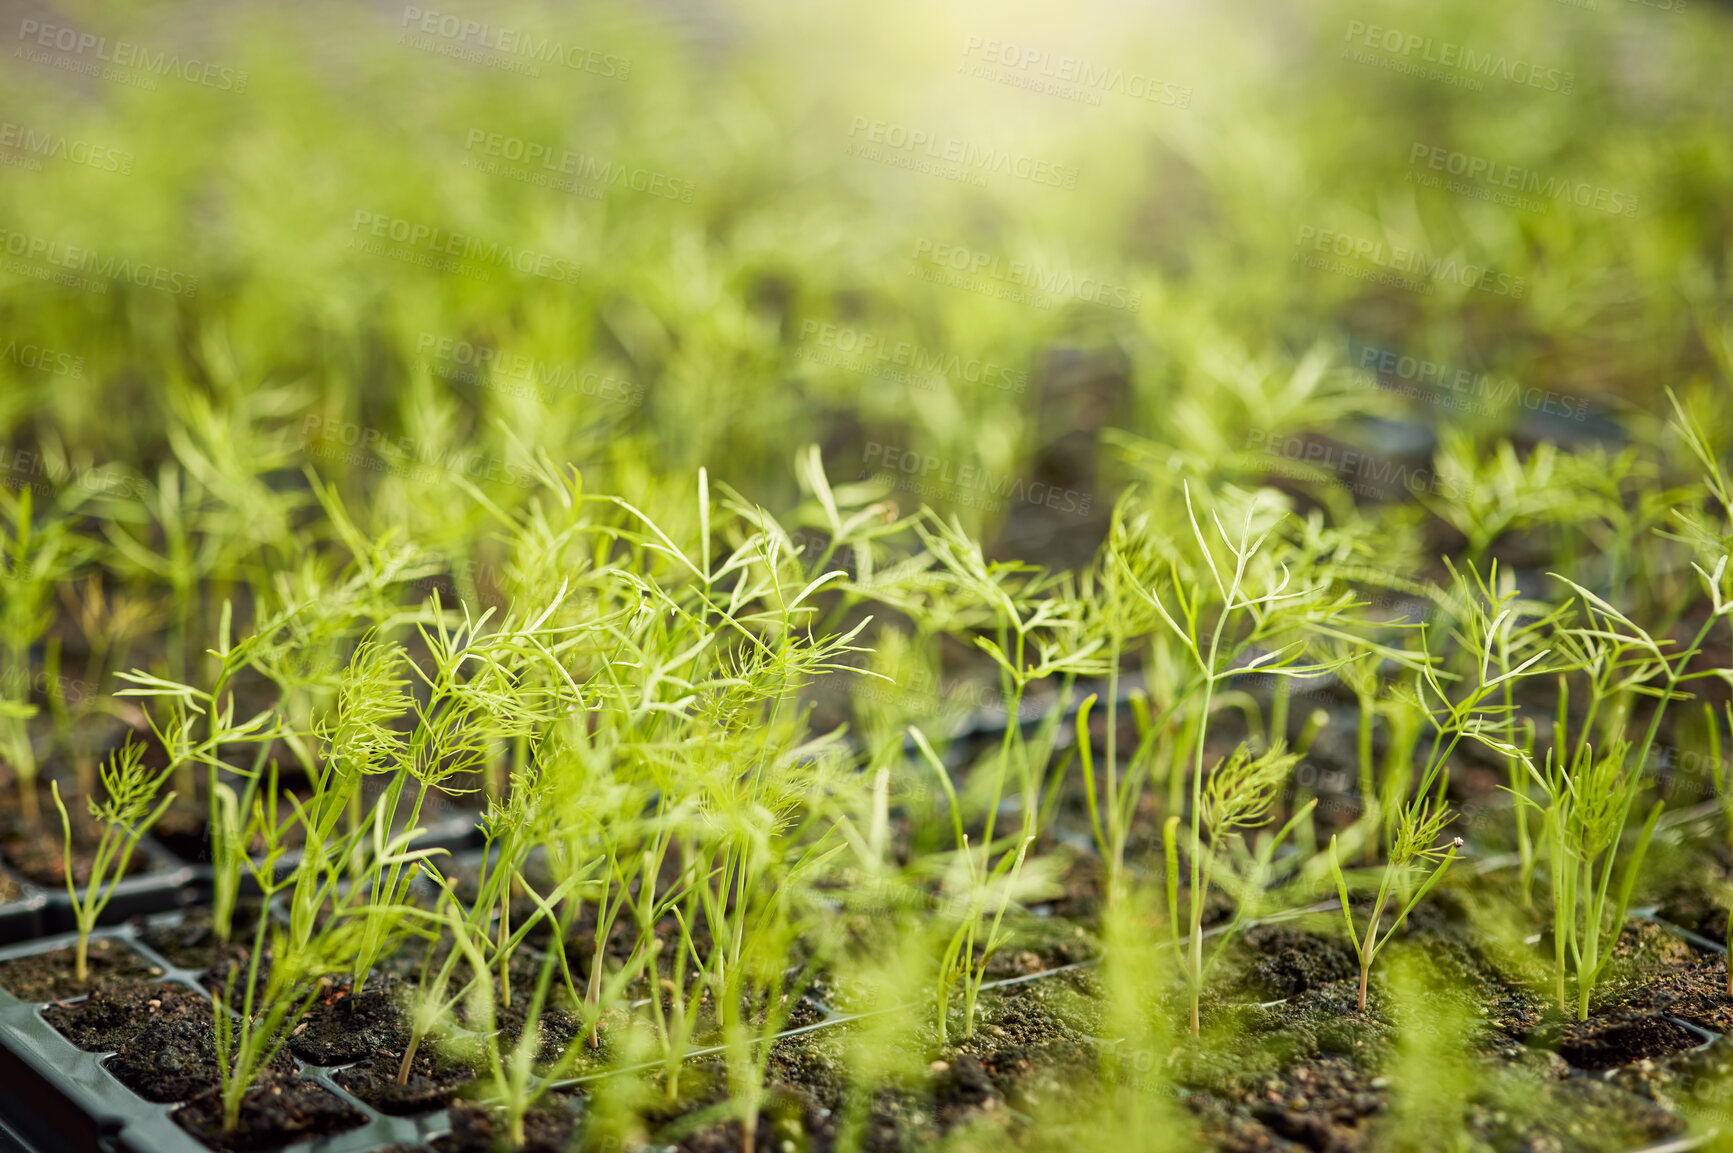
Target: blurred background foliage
{"type": "Point", "coordinates": [695, 327]}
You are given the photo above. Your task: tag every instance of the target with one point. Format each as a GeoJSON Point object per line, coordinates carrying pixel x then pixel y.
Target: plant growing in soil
{"type": "Point", "coordinates": [126, 812]}
{"type": "Point", "coordinates": [1038, 632]}
{"type": "Point", "coordinates": [1417, 829]}
{"type": "Point", "coordinates": [1240, 795]}
{"type": "Point", "coordinates": [1501, 642]}
{"type": "Point", "coordinates": [284, 971]}
{"type": "Point", "coordinates": [973, 943]}
{"type": "Point", "coordinates": [432, 1001]}
{"type": "Point", "coordinates": [1248, 594]}
{"type": "Point", "coordinates": [1590, 797]}
{"type": "Point", "coordinates": [1591, 804]}
{"type": "Point", "coordinates": [1722, 780]}
{"type": "Point", "coordinates": [513, 1081]}
{"type": "Point", "coordinates": [34, 558]}
{"type": "Point", "coordinates": [436, 616]}
{"type": "Point", "coordinates": [1129, 564]}
{"type": "Point", "coordinates": [183, 512]}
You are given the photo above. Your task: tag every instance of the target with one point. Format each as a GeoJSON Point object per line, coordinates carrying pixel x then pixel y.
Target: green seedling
{"type": "Point", "coordinates": [126, 812]}
{"type": "Point", "coordinates": [1418, 826]}
{"type": "Point", "coordinates": [1240, 795]}
{"type": "Point", "coordinates": [973, 944]}
{"type": "Point", "coordinates": [1280, 619]}
{"type": "Point", "coordinates": [36, 554]}
{"type": "Point", "coordinates": [432, 1001]}
{"type": "Point", "coordinates": [173, 722]}
{"type": "Point", "coordinates": [511, 1077]}
{"type": "Point", "coordinates": [1590, 797]}
{"type": "Point", "coordinates": [661, 750]}
{"type": "Point", "coordinates": [252, 1028]}
{"type": "Point", "coordinates": [1129, 564]}
{"type": "Point", "coordinates": [1037, 633]}
{"type": "Point", "coordinates": [1591, 805]}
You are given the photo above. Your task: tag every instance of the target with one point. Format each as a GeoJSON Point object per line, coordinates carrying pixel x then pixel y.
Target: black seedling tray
{"type": "Point", "coordinates": [165, 884]}
{"type": "Point", "coordinates": [55, 1096]}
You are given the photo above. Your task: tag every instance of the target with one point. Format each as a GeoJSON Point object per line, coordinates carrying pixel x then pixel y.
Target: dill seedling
{"type": "Point", "coordinates": [173, 723]}
{"type": "Point", "coordinates": [1417, 827]}
{"type": "Point", "coordinates": [1591, 805]}
{"type": "Point", "coordinates": [1129, 563]}
{"type": "Point", "coordinates": [36, 554]}
{"type": "Point", "coordinates": [1244, 620]}
{"type": "Point", "coordinates": [1502, 642]}
{"type": "Point", "coordinates": [1239, 795]}
{"type": "Point", "coordinates": [513, 1080]}
{"type": "Point", "coordinates": [1589, 797]}
{"type": "Point", "coordinates": [270, 1003]}
{"type": "Point", "coordinates": [973, 943]}
{"type": "Point", "coordinates": [431, 1003]}
{"type": "Point", "coordinates": [126, 812]}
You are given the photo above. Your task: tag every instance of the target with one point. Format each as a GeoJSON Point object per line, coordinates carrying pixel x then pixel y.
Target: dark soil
{"type": "Point", "coordinates": [1324, 1104]}
{"type": "Point", "coordinates": [49, 976]}
{"type": "Point", "coordinates": [279, 1110]}
{"type": "Point", "coordinates": [1614, 1039]}
{"type": "Point", "coordinates": [433, 1080]}
{"type": "Point", "coordinates": [41, 858]}
{"type": "Point", "coordinates": [174, 1056]}
{"type": "Point", "coordinates": [547, 1129]}
{"type": "Point", "coordinates": [192, 943]}
{"type": "Point", "coordinates": [558, 1026]}
{"type": "Point", "coordinates": [162, 1042]}
{"type": "Point", "coordinates": [1290, 961]}
{"type": "Point", "coordinates": [160, 1035]}
{"type": "Point", "coordinates": [119, 1010]}
{"type": "Point", "coordinates": [1696, 991]}
{"type": "Point", "coordinates": [341, 1028]}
